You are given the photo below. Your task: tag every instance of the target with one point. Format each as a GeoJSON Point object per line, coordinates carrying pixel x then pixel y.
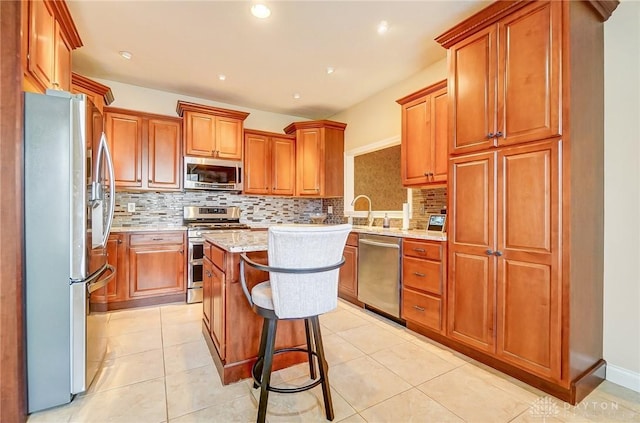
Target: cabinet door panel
{"type": "Point", "coordinates": [309, 161]}
{"type": "Point", "coordinates": [440, 131]}
{"type": "Point", "coordinates": [529, 70]}
{"type": "Point", "coordinates": [207, 286]}
{"type": "Point", "coordinates": [283, 153]}
{"type": "Point", "coordinates": [41, 43]}
{"type": "Point", "coordinates": [257, 164]}
{"type": "Point", "coordinates": [117, 288]}
{"type": "Point", "coordinates": [417, 152]}
{"type": "Point", "coordinates": [218, 310]}
{"type": "Point", "coordinates": [62, 64]}
{"type": "Point", "coordinates": [348, 283]}
{"type": "Point", "coordinates": [529, 321]}
{"type": "Point", "coordinates": [228, 138]}
{"type": "Point", "coordinates": [199, 134]}
{"type": "Point", "coordinates": [471, 304]}
{"type": "Point", "coordinates": [164, 154]}
{"type": "Point", "coordinates": [124, 133]}
{"type": "Point", "coordinates": [472, 91]}
{"type": "Point", "coordinates": [472, 198]}
{"type": "Point", "coordinates": [156, 269]}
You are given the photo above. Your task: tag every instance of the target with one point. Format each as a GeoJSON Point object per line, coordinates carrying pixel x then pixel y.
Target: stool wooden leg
{"type": "Point", "coordinates": [260, 363]}
{"type": "Point", "coordinates": [323, 367]}
{"type": "Point", "coordinates": [266, 369]}
{"type": "Point", "coordinates": [312, 367]}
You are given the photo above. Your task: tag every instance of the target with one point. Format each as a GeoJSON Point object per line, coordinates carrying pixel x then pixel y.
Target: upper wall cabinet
{"type": "Point", "coordinates": [269, 163]}
{"type": "Point", "coordinates": [99, 94]}
{"type": "Point", "coordinates": [504, 81]}
{"type": "Point", "coordinates": [424, 136]}
{"type": "Point", "coordinates": [319, 158]}
{"type": "Point", "coordinates": [51, 36]}
{"type": "Point", "coordinates": [211, 131]}
{"type": "Point", "coordinates": [146, 150]}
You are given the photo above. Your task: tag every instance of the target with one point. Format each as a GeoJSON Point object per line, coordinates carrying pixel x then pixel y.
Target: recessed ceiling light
{"type": "Point", "coordinates": [260, 10]}
{"type": "Point", "coordinates": [296, 96]}
{"type": "Point", "coordinates": [222, 77]}
{"type": "Point", "coordinates": [127, 55]}
{"type": "Point", "coordinates": [330, 70]}
{"type": "Point", "coordinates": [383, 27]}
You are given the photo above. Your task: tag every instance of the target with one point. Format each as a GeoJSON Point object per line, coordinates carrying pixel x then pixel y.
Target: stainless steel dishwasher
{"type": "Point", "coordinates": [379, 272]}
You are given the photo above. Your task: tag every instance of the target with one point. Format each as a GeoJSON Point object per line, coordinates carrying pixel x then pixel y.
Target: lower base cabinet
{"type": "Point", "coordinates": [150, 269]}
{"type": "Point", "coordinates": [348, 282]}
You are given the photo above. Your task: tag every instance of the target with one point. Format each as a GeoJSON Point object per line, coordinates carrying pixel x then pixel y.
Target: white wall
{"type": "Point", "coordinates": [148, 100]}
{"type": "Point", "coordinates": [379, 117]}
{"type": "Point", "coordinates": [622, 196]}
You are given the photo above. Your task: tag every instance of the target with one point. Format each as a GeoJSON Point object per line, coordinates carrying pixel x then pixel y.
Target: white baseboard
{"type": "Point", "coordinates": [623, 377]}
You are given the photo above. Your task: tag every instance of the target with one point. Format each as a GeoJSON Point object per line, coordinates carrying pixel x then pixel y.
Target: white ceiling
{"type": "Point", "coordinates": [182, 46]}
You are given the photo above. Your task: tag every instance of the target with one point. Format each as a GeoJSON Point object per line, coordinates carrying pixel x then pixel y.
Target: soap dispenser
{"type": "Point", "coordinates": [385, 222]}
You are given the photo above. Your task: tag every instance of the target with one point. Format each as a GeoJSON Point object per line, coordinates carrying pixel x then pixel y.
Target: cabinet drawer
{"type": "Point", "coordinates": [156, 238]}
{"type": "Point", "coordinates": [422, 249]}
{"type": "Point", "coordinates": [352, 239]}
{"type": "Point", "coordinates": [422, 309]}
{"type": "Point", "coordinates": [217, 256]}
{"type": "Point", "coordinates": [423, 275]}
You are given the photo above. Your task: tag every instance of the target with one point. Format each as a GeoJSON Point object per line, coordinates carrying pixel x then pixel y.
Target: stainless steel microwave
{"type": "Point", "coordinates": [212, 174]}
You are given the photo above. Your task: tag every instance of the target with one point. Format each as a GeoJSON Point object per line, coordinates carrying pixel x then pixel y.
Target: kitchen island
{"type": "Point", "coordinates": [232, 330]}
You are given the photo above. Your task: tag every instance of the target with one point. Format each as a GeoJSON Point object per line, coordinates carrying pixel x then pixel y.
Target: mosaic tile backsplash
{"type": "Point", "coordinates": [165, 208]}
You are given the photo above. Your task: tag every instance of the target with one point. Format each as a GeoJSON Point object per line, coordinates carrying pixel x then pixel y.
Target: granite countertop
{"type": "Point", "coordinates": [397, 232]}
{"type": "Point", "coordinates": [239, 242]}
{"type": "Point", "coordinates": [148, 228]}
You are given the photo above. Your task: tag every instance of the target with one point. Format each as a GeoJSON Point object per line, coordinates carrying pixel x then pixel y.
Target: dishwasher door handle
{"type": "Point", "coordinates": [380, 244]}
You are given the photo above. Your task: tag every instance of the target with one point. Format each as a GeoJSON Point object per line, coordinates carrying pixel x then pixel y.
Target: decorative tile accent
{"type": "Point", "coordinates": [165, 208]}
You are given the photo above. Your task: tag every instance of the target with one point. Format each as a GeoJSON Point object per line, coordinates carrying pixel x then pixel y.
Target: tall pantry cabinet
{"type": "Point", "coordinates": [526, 196]}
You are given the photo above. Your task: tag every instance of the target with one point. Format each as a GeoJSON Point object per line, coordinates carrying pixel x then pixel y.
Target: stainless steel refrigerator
{"type": "Point", "coordinates": [68, 214]}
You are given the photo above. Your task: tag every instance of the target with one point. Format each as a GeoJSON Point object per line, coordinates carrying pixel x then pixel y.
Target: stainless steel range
{"type": "Point", "coordinates": [201, 221]}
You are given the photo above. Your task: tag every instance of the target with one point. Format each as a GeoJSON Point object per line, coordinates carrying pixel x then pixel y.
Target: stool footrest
{"type": "Point", "coordinates": [257, 382]}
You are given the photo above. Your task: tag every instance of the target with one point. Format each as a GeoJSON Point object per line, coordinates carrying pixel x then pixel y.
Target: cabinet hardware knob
{"type": "Point", "coordinates": [181, 251]}
{"type": "Point", "coordinates": [498, 134]}
{"type": "Point", "coordinates": [426, 174]}
{"type": "Point", "coordinates": [489, 252]}
{"type": "Point", "coordinates": [422, 275]}
{"type": "Point", "coordinates": [119, 241]}
{"type": "Point", "coordinates": [418, 308]}
{"type": "Point", "coordinates": [490, 135]}
{"type": "Point", "coordinates": [498, 253]}
{"type": "Point", "coordinates": [419, 250]}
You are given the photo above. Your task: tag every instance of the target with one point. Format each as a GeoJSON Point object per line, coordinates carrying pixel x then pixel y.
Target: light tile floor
{"type": "Point", "coordinates": [158, 369]}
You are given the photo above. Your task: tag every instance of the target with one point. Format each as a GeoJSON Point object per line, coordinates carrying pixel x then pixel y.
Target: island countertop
{"type": "Point", "coordinates": [239, 242]}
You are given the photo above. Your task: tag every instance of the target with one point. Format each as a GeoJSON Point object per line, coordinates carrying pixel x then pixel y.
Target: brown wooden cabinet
{"type": "Point", "coordinates": [207, 283]}
{"type": "Point", "coordinates": [156, 264]}
{"type": "Point", "coordinates": [526, 195]}
{"type": "Point", "coordinates": [424, 136]}
{"type": "Point", "coordinates": [146, 149]}
{"type": "Point", "coordinates": [319, 158]}
{"type": "Point", "coordinates": [150, 269]}
{"type": "Point", "coordinates": [98, 93]}
{"type": "Point", "coordinates": [269, 163]}
{"type": "Point", "coordinates": [423, 277]}
{"type": "Point", "coordinates": [348, 282]}
{"type": "Point", "coordinates": [212, 131]}
{"type": "Point", "coordinates": [52, 36]}
{"type": "Point", "coordinates": [118, 288]}
{"type": "Point", "coordinates": [505, 80]}
{"type": "Point", "coordinates": [233, 331]}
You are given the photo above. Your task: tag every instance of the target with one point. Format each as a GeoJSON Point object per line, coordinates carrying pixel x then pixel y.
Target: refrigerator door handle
{"type": "Point", "coordinates": [112, 188]}
{"type": "Point", "coordinates": [96, 283]}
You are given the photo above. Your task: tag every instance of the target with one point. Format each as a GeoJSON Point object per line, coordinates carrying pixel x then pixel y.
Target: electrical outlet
{"type": "Point", "coordinates": [131, 207]}
{"type": "Point", "coordinates": [330, 209]}
{"type": "Point", "coordinates": [256, 209]}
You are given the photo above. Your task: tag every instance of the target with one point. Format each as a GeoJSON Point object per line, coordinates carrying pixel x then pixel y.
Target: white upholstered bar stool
{"type": "Point", "coordinates": [304, 262]}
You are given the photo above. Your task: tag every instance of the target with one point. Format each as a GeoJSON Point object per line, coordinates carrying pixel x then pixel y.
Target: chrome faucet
{"type": "Point", "coordinates": [369, 215]}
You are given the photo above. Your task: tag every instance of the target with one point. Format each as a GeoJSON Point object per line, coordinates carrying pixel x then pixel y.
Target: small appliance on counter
{"type": "Point", "coordinates": [201, 220]}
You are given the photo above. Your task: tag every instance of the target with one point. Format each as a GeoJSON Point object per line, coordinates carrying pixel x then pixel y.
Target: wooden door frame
{"type": "Point", "coordinates": [12, 353]}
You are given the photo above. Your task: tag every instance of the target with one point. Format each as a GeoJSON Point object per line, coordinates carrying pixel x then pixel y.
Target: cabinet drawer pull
{"type": "Point", "coordinates": [421, 309]}
{"type": "Point", "coordinates": [419, 250]}
{"type": "Point", "coordinates": [157, 239]}
{"type": "Point", "coordinates": [422, 275]}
